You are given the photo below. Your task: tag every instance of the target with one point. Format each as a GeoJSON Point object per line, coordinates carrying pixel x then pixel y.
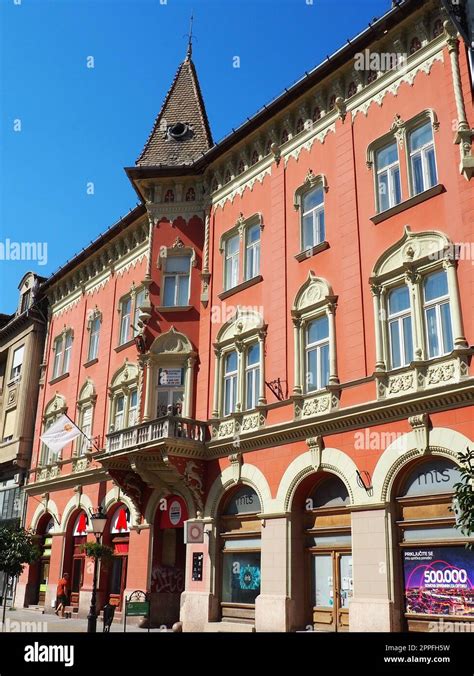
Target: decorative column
{"type": "Point", "coordinates": [379, 318]}
{"type": "Point", "coordinates": [217, 383]}
{"type": "Point", "coordinates": [331, 315]}
{"type": "Point", "coordinates": [261, 385]}
{"type": "Point", "coordinates": [297, 389]}
{"type": "Point", "coordinates": [148, 368]}
{"type": "Point", "coordinates": [205, 274]}
{"type": "Point", "coordinates": [188, 386]}
{"type": "Point", "coordinates": [240, 372]}
{"type": "Point", "coordinates": [416, 301]}
{"type": "Point", "coordinates": [464, 133]}
{"type": "Point", "coordinates": [455, 305]}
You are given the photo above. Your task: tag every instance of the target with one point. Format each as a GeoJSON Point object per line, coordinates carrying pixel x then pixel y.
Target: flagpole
{"type": "Point", "coordinates": [84, 435]}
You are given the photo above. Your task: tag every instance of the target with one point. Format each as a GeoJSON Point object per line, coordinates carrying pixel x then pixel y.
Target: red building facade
{"type": "Point", "coordinates": [276, 343]}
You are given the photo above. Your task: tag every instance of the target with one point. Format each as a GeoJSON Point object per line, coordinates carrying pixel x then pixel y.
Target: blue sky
{"type": "Point", "coordinates": [64, 126]}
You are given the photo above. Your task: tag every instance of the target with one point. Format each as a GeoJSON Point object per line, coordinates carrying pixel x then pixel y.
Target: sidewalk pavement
{"type": "Point", "coordinates": [22, 620]}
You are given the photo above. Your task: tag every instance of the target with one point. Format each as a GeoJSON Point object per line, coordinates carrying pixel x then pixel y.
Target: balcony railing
{"type": "Point", "coordinates": [167, 427]}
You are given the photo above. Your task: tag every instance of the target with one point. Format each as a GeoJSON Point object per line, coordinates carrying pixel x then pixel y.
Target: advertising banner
{"type": "Point", "coordinates": [439, 581]}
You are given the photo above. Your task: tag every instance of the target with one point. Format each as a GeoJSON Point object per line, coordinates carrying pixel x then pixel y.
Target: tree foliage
{"type": "Point", "coordinates": [464, 494]}
{"type": "Point", "coordinates": [17, 548]}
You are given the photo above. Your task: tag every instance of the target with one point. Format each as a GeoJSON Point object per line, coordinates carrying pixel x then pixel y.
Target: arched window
{"type": "Point", "coordinates": [190, 195]}
{"type": "Point", "coordinates": [240, 539]}
{"type": "Point", "coordinates": [316, 114]}
{"type": "Point", "coordinates": [415, 45]}
{"type": "Point", "coordinates": [240, 383]}
{"type": "Point", "coordinates": [284, 136]}
{"type": "Point", "coordinates": [309, 201]}
{"type": "Point", "coordinates": [123, 395]}
{"type": "Point", "coordinates": [170, 376]}
{"type": "Point", "coordinates": [299, 125]}
{"type": "Point", "coordinates": [315, 343]}
{"type": "Point", "coordinates": [255, 157]}
{"type": "Point", "coordinates": [436, 576]}
{"type": "Point", "coordinates": [169, 195]}
{"type": "Point", "coordinates": [351, 90]}
{"type": "Point", "coordinates": [416, 306]}
{"type": "Point", "coordinates": [85, 405]}
{"type": "Point", "coordinates": [55, 408]}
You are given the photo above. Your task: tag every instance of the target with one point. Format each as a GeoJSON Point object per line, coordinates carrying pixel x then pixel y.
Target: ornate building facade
{"type": "Point", "coordinates": [276, 345]}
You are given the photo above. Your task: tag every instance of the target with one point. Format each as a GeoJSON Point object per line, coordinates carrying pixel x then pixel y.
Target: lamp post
{"type": "Point", "coordinates": [98, 521]}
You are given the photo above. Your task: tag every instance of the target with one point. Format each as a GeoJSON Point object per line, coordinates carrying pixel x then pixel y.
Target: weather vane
{"type": "Point", "coordinates": [190, 37]}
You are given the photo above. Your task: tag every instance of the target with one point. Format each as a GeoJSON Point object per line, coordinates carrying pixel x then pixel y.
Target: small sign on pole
{"type": "Point", "coordinates": [137, 605]}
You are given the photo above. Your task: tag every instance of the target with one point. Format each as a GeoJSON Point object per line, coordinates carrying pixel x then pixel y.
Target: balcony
{"type": "Point", "coordinates": [150, 433]}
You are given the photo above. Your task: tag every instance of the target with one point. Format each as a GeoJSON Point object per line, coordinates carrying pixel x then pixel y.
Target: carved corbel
{"type": "Point", "coordinates": [235, 460]}
{"type": "Point", "coordinates": [421, 425]}
{"type": "Point", "coordinates": [315, 445]}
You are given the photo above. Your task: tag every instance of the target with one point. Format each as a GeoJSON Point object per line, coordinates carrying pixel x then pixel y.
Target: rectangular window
{"type": "Point", "coordinates": [388, 177]}
{"type": "Point", "coordinates": [252, 376]}
{"type": "Point", "coordinates": [9, 425]}
{"type": "Point", "coordinates": [422, 159]}
{"type": "Point", "coordinates": [119, 412]}
{"type": "Point", "coordinates": [230, 383]}
{"type": "Point", "coordinates": [232, 246]}
{"type": "Point", "coordinates": [17, 362]}
{"type": "Point", "coordinates": [176, 281]}
{"type": "Point", "coordinates": [139, 302]}
{"type": "Point", "coordinates": [317, 354]}
{"type": "Point", "coordinates": [313, 218]}
{"type": "Point", "coordinates": [252, 252]}
{"type": "Point", "coordinates": [399, 327]}
{"type": "Point", "coordinates": [86, 427]}
{"type": "Point", "coordinates": [94, 339]}
{"type": "Point", "coordinates": [25, 301]}
{"type": "Point", "coordinates": [133, 408]}
{"type": "Point", "coordinates": [62, 354]}
{"type": "Point", "coordinates": [437, 310]}
{"type": "Point", "coordinates": [125, 320]}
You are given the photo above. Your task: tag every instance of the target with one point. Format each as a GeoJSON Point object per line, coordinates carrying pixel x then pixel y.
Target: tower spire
{"type": "Point", "coordinates": [190, 37]}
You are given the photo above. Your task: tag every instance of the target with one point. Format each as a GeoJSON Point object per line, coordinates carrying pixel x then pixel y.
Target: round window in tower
{"type": "Point", "coordinates": [178, 131]}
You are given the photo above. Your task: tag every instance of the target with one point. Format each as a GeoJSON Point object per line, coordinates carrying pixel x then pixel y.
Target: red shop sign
{"type": "Point", "coordinates": [173, 512]}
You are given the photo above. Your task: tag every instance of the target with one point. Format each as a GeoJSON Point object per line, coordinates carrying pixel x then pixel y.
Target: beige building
{"type": "Point", "coordinates": [21, 351]}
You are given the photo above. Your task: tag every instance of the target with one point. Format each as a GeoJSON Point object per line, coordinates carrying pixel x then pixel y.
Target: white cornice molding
{"type": "Point", "coordinates": [389, 83]}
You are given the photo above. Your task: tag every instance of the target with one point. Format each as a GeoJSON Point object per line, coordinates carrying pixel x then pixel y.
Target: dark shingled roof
{"type": "Point", "coordinates": [183, 103]}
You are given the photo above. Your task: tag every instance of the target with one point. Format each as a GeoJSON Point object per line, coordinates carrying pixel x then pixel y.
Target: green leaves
{"type": "Point", "coordinates": [464, 494]}
{"type": "Point", "coordinates": [17, 548]}
{"type": "Point", "coordinates": [96, 550]}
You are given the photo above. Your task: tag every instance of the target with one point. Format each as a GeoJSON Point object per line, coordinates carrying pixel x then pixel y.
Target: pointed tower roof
{"type": "Point", "coordinates": [181, 132]}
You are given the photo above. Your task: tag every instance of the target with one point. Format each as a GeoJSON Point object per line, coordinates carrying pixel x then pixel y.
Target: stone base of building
{"type": "Point", "coordinates": [371, 615]}
{"type": "Point", "coordinates": [272, 613]}
{"type": "Point", "coordinates": [197, 609]}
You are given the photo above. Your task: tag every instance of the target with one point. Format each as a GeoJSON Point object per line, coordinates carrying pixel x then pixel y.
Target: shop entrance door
{"type": "Point", "coordinates": [332, 588]}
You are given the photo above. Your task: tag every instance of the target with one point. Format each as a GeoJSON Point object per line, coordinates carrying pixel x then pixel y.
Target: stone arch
{"type": "Point", "coordinates": [87, 393]}
{"type": "Point", "coordinates": [314, 291]}
{"type": "Point", "coordinates": [334, 462]}
{"type": "Point", "coordinates": [444, 442]}
{"type": "Point", "coordinates": [413, 247]}
{"type": "Point", "coordinates": [77, 502]}
{"type": "Point", "coordinates": [250, 475]}
{"type": "Point", "coordinates": [242, 322]}
{"type": "Point", "coordinates": [41, 510]}
{"type": "Point", "coordinates": [56, 405]}
{"type": "Point", "coordinates": [171, 343]}
{"type": "Point", "coordinates": [116, 495]}
{"type": "Point", "coordinates": [125, 375]}
{"type": "Point", "coordinates": [153, 502]}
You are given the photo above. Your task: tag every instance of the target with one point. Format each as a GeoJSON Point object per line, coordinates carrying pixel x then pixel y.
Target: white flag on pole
{"type": "Point", "coordinates": [60, 434]}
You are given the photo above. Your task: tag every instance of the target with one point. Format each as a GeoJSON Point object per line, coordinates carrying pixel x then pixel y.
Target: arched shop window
{"type": "Point", "coordinates": [119, 537]}
{"type": "Point", "coordinates": [79, 537]}
{"type": "Point", "coordinates": [240, 533]}
{"type": "Point", "coordinates": [437, 576]}
{"type": "Point", "coordinates": [44, 541]}
{"type": "Point", "coordinates": [327, 532]}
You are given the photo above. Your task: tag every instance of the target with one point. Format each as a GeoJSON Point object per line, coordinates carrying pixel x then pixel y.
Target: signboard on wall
{"type": "Point", "coordinates": [439, 581]}
{"type": "Point", "coordinates": [170, 377]}
{"type": "Point", "coordinates": [173, 512]}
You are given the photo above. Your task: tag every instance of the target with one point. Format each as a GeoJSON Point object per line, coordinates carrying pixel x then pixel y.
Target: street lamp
{"type": "Point", "coordinates": [98, 521]}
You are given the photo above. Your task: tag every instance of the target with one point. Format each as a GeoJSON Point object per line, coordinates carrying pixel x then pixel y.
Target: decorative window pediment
{"type": "Point", "coordinates": [315, 292]}
{"type": "Point", "coordinates": [246, 320]}
{"type": "Point", "coordinates": [171, 343]}
{"type": "Point", "coordinates": [125, 376]}
{"type": "Point", "coordinates": [311, 181]}
{"type": "Point", "coordinates": [87, 394]}
{"type": "Point", "coordinates": [412, 250]}
{"type": "Point", "coordinates": [55, 406]}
